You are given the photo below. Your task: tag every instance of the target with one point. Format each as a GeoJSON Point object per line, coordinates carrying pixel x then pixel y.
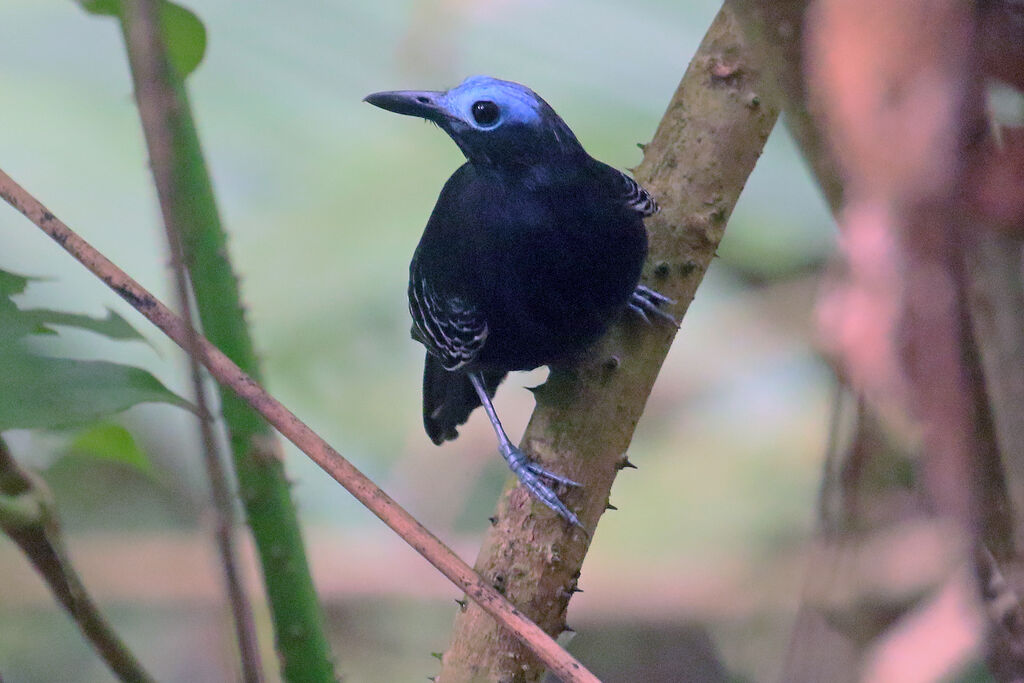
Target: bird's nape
{"type": "Point", "coordinates": [530, 474]}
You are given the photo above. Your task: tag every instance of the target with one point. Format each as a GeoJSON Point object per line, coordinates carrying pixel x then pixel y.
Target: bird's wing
{"type": "Point", "coordinates": [636, 197]}
{"type": "Point", "coordinates": [453, 330]}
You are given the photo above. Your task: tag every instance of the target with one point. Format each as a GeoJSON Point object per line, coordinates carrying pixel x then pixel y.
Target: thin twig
{"type": "Point", "coordinates": [341, 470]}
{"type": "Point", "coordinates": [28, 517]}
{"type": "Point", "coordinates": [155, 95]}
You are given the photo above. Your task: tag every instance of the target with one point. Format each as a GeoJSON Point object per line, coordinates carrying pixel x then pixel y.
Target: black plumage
{"type": "Point", "coordinates": [531, 251]}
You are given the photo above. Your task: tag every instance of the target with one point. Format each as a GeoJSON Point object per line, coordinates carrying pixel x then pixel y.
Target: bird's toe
{"type": "Point", "coordinates": [646, 302]}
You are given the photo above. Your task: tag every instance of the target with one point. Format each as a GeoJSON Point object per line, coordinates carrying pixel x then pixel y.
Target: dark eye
{"type": "Point", "coordinates": [485, 112]}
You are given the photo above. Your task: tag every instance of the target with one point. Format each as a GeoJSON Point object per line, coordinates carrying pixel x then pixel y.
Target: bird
{"type": "Point", "coordinates": [530, 253]}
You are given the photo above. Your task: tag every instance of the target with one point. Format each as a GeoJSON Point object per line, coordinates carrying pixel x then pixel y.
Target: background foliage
{"type": "Point", "coordinates": [325, 199]}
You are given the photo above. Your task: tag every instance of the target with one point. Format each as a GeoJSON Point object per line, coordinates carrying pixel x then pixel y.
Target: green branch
{"type": "Point", "coordinates": [256, 453]}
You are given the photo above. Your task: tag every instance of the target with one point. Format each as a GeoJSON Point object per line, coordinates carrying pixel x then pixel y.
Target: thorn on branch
{"type": "Point", "coordinates": [625, 463]}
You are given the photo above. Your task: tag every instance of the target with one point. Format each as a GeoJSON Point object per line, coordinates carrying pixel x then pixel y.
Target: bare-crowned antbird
{"type": "Point", "coordinates": [531, 252]}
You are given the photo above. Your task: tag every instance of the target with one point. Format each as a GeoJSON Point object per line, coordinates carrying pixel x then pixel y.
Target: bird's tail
{"type": "Point", "coordinates": [449, 398]}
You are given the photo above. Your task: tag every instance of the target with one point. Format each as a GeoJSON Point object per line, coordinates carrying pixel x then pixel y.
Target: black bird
{"type": "Point", "coordinates": [531, 252]}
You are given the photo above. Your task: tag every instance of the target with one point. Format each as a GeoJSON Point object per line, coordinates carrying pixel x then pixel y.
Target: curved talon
{"type": "Point", "coordinates": [645, 300]}
{"type": "Point", "coordinates": [653, 295]}
{"type": "Point", "coordinates": [527, 471]}
{"type": "Point", "coordinates": [639, 311]}
{"type": "Point", "coordinates": [548, 474]}
{"type": "Point", "coordinates": [529, 474]}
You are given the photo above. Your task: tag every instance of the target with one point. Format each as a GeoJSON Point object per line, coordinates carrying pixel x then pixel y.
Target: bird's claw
{"type": "Point", "coordinates": [645, 302]}
{"type": "Point", "coordinates": [548, 474]}
{"type": "Point", "coordinates": [532, 476]}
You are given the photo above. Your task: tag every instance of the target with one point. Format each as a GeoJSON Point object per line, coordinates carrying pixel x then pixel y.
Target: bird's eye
{"type": "Point", "coordinates": [485, 112]}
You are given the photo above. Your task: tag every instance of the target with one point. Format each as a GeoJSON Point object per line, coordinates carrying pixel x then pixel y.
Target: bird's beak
{"type": "Point", "coordinates": [422, 103]}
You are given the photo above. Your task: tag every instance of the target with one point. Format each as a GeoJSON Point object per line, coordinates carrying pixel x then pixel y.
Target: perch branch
{"type": "Point", "coordinates": [696, 165]}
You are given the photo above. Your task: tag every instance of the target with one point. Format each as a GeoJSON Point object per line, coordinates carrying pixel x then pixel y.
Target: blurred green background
{"type": "Point", "coordinates": [325, 198]}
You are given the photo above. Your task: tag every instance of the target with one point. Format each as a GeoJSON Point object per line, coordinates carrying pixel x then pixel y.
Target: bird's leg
{"type": "Point", "coordinates": [645, 301]}
{"type": "Point", "coordinates": [528, 472]}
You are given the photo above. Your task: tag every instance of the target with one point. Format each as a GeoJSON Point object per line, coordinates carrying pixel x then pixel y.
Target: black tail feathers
{"type": "Point", "coordinates": [449, 398]}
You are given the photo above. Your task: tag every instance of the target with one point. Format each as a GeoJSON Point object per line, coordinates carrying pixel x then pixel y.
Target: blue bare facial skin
{"type": "Point", "coordinates": [533, 249]}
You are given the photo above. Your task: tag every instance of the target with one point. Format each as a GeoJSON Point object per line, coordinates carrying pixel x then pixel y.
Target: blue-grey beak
{"type": "Point", "coordinates": [422, 103]}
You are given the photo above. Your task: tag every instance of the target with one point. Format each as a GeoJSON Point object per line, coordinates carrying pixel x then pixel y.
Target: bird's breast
{"type": "Point", "coordinates": [548, 266]}
{"type": "Point", "coordinates": [555, 285]}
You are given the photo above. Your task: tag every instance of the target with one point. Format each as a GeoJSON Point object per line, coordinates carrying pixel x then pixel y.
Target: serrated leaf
{"type": "Point", "coordinates": [111, 442]}
{"type": "Point", "coordinates": [16, 323]}
{"type": "Point", "coordinates": [40, 392]}
{"type": "Point", "coordinates": [183, 32]}
{"type": "Point", "coordinates": [113, 326]}
{"type": "Point", "coordinates": [12, 283]}
{"type": "Point", "coordinates": [13, 323]}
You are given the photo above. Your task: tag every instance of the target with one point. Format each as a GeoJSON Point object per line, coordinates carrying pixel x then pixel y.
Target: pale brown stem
{"type": "Point", "coordinates": [156, 99]}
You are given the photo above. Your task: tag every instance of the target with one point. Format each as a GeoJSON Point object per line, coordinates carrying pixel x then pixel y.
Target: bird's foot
{"type": "Point", "coordinates": [532, 477]}
{"type": "Point", "coordinates": [647, 302]}
{"type": "Point", "coordinates": [548, 474]}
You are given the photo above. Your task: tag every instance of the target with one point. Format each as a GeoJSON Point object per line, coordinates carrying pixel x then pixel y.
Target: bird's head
{"type": "Point", "coordinates": [495, 123]}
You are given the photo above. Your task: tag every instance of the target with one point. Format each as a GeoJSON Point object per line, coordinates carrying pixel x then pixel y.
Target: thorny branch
{"type": "Point", "coordinates": [696, 165]}
{"type": "Point", "coordinates": [156, 98]}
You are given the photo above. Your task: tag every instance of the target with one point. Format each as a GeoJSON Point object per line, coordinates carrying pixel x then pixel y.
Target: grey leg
{"type": "Point", "coordinates": [528, 472]}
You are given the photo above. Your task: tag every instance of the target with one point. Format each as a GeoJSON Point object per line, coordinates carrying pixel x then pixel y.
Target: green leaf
{"type": "Point", "coordinates": [110, 8]}
{"type": "Point", "coordinates": [41, 392]}
{"type": "Point", "coordinates": [12, 283]}
{"type": "Point", "coordinates": [185, 37]}
{"type": "Point", "coordinates": [111, 442]}
{"type": "Point", "coordinates": [183, 32]}
{"type": "Point", "coordinates": [113, 326]}
{"type": "Point", "coordinates": [16, 323]}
